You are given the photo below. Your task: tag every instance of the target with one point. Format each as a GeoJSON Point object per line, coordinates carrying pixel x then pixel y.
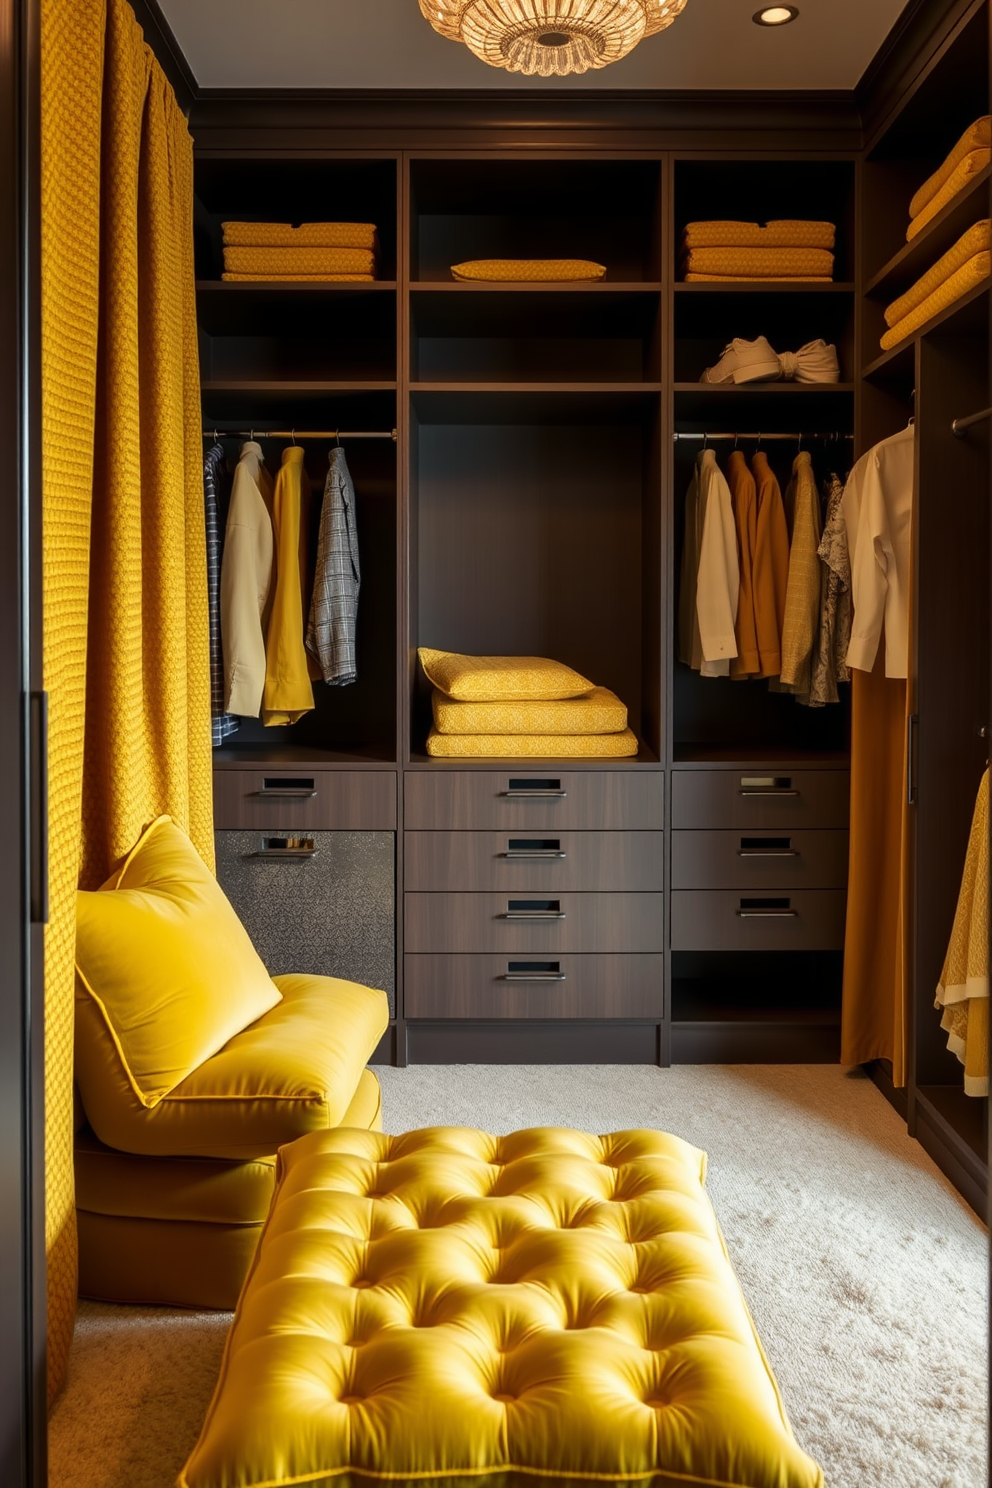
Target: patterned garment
{"type": "Point", "coordinates": [216, 492]}
{"type": "Point", "coordinates": [334, 608]}
{"type": "Point", "coordinates": [830, 653]}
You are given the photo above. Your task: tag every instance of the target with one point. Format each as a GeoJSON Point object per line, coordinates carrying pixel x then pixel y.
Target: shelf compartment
{"type": "Point", "coordinates": [604, 210]}
{"type": "Point", "coordinates": [480, 337]}
{"type": "Point", "coordinates": [776, 406]}
{"type": "Point", "coordinates": [768, 1008]}
{"type": "Point", "coordinates": [967, 315]}
{"type": "Point", "coordinates": [705, 323]}
{"type": "Point", "coordinates": [275, 333]}
{"type": "Point", "coordinates": [915, 257]}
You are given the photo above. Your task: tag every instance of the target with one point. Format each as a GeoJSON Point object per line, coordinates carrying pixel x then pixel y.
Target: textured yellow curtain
{"type": "Point", "coordinates": [125, 629]}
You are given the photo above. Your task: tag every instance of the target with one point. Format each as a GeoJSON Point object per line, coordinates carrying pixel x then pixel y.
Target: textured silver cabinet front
{"type": "Point", "coordinates": [331, 913]}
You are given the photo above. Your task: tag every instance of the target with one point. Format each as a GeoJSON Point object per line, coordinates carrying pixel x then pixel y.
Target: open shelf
{"type": "Point", "coordinates": [275, 333]}
{"type": "Point", "coordinates": [915, 257]}
{"type": "Point", "coordinates": [969, 313]}
{"type": "Point", "coordinates": [235, 756]}
{"type": "Point", "coordinates": [420, 760]}
{"type": "Point", "coordinates": [612, 287]}
{"type": "Point", "coordinates": [763, 389]}
{"type": "Point", "coordinates": [734, 756]}
{"type": "Point", "coordinates": [765, 286]}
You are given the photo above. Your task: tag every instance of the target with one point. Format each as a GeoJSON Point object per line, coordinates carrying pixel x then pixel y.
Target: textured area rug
{"type": "Point", "coordinates": [865, 1272]}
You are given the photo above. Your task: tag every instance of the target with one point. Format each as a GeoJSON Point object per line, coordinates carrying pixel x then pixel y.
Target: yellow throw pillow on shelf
{"type": "Point", "coordinates": [483, 679]}
{"type": "Point", "coordinates": [509, 270]}
{"type": "Point", "coordinates": [598, 712]}
{"type": "Point", "coordinates": [166, 966]}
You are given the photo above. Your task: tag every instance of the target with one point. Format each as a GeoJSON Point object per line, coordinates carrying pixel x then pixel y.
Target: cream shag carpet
{"type": "Point", "coordinates": [865, 1272]}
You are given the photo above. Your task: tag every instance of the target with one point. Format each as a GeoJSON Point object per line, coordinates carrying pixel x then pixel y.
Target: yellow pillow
{"type": "Point", "coordinates": [529, 270]}
{"type": "Point", "coordinates": [493, 679]}
{"type": "Point", "coordinates": [168, 965]}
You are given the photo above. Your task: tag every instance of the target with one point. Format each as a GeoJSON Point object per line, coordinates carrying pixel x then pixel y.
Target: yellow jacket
{"type": "Point", "coordinates": [288, 693]}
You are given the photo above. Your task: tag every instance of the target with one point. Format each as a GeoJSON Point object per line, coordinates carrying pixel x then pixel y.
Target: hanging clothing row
{"type": "Point", "coordinates": [765, 580]}
{"type": "Point", "coordinates": [275, 626]}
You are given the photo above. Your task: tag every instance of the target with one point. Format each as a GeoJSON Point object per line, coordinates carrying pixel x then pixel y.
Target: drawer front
{"type": "Point", "coordinates": [531, 923]}
{"type": "Point", "coordinates": [283, 798]}
{"type": "Point", "coordinates": [332, 913]}
{"type": "Point", "coordinates": [566, 986]}
{"type": "Point", "coordinates": [760, 798]}
{"type": "Point", "coordinates": [759, 860]}
{"type": "Point", "coordinates": [769, 920]}
{"type": "Point", "coordinates": [542, 799]}
{"type": "Point", "coordinates": [547, 862]}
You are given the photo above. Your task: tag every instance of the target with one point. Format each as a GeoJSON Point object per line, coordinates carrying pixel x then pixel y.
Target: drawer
{"type": "Point", "coordinates": [525, 923]}
{"type": "Point", "coordinates": [760, 798]}
{"type": "Point", "coordinates": [541, 799]}
{"type": "Point", "coordinates": [770, 920]}
{"type": "Point", "coordinates": [759, 860]}
{"type": "Point", "coordinates": [283, 798]}
{"type": "Point", "coordinates": [588, 861]}
{"type": "Point", "coordinates": [331, 913]}
{"type": "Point", "coordinates": [621, 986]}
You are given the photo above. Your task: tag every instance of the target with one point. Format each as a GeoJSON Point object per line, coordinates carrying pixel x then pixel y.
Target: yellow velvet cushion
{"type": "Point", "coordinates": [166, 965]}
{"type": "Point", "coordinates": [760, 263]}
{"type": "Point", "coordinates": [299, 260]}
{"type": "Point", "coordinates": [483, 679]}
{"type": "Point", "coordinates": [293, 1071]}
{"type": "Point", "coordinates": [977, 136]}
{"type": "Point", "coordinates": [452, 1307]}
{"type": "Point", "coordinates": [524, 270]}
{"type": "Point", "coordinates": [598, 712]}
{"type": "Point", "coordinates": [532, 746]}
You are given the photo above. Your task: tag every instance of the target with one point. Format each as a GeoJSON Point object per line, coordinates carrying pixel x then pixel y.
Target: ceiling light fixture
{"type": "Point", "coordinates": [775, 15]}
{"type": "Point", "coordinates": [550, 38]}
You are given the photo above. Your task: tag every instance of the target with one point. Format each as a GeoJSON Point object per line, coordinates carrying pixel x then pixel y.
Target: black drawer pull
{"type": "Point", "coordinates": [767, 847]}
{"type": "Point", "coordinates": [523, 788]}
{"type": "Point", "coordinates": [533, 909]}
{"type": "Point", "coordinates": [286, 847]}
{"type": "Point", "coordinates": [518, 848]}
{"type": "Point", "coordinates": [767, 909]}
{"type": "Point", "coordinates": [767, 785]}
{"type": "Point", "coordinates": [283, 787]}
{"type": "Point", "coordinates": [532, 971]}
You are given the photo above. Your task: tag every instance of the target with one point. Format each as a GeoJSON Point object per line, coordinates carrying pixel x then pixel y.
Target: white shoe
{"type": "Point", "coordinates": [814, 362]}
{"type": "Point", "coordinates": [745, 361]}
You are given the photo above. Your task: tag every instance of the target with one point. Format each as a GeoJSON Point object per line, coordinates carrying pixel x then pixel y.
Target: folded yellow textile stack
{"type": "Point", "coordinates": [509, 706]}
{"type": "Point", "coordinates": [314, 251]}
{"type": "Point", "coordinates": [786, 232]}
{"type": "Point", "coordinates": [971, 154]}
{"type": "Point", "coordinates": [528, 270]}
{"type": "Point", "coordinates": [960, 270]}
{"type": "Point", "coordinates": [757, 263]}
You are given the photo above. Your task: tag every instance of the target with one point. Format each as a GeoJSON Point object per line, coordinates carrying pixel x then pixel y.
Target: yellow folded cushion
{"type": "Point", "coordinates": [532, 746]}
{"type": "Point", "coordinates": [598, 712]}
{"type": "Point", "coordinates": [452, 1308]}
{"type": "Point", "coordinates": [759, 263]}
{"type": "Point", "coordinates": [963, 174]}
{"type": "Point", "coordinates": [964, 279]}
{"type": "Point", "coordinates": [976, 240]}
{"type": "Point", "coordinates": [299, 261]}
{"type": "Point", "coordinates": [295, 1070]}
{"type": "Point", "coordinates": [307, 235]}
{"type": "Point", "coordinates": [782, 233]}
{"type": "Point", "coordinates": [526, 269]}
{"type": "Point", "coordinates": [299, 278]}
{"type": "Point", "coordinates": [165, 971]}
{"type": "Point", "coordinates": [749, 278]}
{"type": "Point", "coordinates": [977, 136]}
{"type": "Point", "coordinates": [501, 679]}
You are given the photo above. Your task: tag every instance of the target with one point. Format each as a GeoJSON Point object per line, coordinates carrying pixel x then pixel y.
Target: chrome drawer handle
{"type": "Point", "coordinates": [775, 792]}
{"type": "Point", "coordinates": [768, 852]}
{"type": "Point", "coordinates": [534, 795]}
{"type": "Point", "coordinates": [532, 914]}
{"type": "Point", "coordinates": [767, 914]}
{"type": "Point", "coordinates": [284, 852]}
{"type": "Point", "coordinates": [517, 855]}
{"type": "Point", "coordinates": [532, 976]}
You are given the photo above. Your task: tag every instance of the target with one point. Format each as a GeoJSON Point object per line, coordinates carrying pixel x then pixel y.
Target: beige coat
{"type": "Point", "coordinates": [246, 583]}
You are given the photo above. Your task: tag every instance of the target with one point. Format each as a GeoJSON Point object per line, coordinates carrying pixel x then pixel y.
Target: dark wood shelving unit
{"type": "Point", "coordinates": [932, 241]}
{"type": "Point", "coordinates": [968, 309]}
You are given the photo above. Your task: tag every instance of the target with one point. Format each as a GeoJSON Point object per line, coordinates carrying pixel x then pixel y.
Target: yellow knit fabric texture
{"type": "Point", "coordinates": [299, 261]}
{"type": "Point", "coordinates": [759, 263]}
{"type": "Point", "coordinates": [71, 76]}
{"type": "Point", "coordinates": [307, 235]}
{"type": "Point", "coordinates": [976, 137]}
{"type": "Point", "coordinates": [966, 278]}
{"type": "Point", "coordinates": [976, 240]}
{"type": "Point", "coordinates": [783, 233]}
{"type": "Point", "coordinates": [532, 746]}
{"type": "Point", "coordinates": [962, 176]}
{"type": "Point", "coordinates": [749, 278]}
{"type": "Point", "coordinates": [508, 270]}
{"type": "Point", "coordinates": [299, 278]}
{"type": "Point", "coordinates": [598, 712]}
{"type": "Point", "coordinates": [501, 679]}
{"type": "Point", "coordinates": [963, 990]}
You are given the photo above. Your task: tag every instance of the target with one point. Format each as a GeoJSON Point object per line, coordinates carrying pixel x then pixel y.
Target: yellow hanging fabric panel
{"type": "Point", "coordinates": [963, 990]}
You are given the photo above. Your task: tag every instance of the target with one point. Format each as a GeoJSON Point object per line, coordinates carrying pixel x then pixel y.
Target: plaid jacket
{"type": "Point", "coordinates": [334, 608]}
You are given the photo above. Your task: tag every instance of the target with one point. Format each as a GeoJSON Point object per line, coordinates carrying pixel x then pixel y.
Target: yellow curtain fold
{"type": "Point", "coordinates": [125, 599]}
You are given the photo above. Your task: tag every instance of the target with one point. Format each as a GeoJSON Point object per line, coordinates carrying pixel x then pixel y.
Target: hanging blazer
{"type": "Point", "coordinates": [878, 513]}
{"type": "Point", "coordinates": [718, 578]}
{"type": "Point", "coordinates": [744, 496]}
{"type": "Point", "coordinates": [802, 597]}
{"type": "Point", "coordinates": [334, 608]}
{"type": "Point", "coordinates": [246, 583]}
{"type": "Point", "coordinates": [288, 693]}
{"type": "Point", "coordinates": [771, 566]}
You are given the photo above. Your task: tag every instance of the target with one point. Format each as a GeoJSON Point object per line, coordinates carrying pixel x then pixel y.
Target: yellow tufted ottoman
{"type": "Point", "coordinates": [454, 1308]}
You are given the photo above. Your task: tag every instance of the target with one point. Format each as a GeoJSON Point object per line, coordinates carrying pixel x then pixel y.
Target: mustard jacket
{"type": "Point", "coordinates": [288, 693]}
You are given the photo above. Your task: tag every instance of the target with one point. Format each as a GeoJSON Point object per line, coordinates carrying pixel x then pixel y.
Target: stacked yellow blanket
{"type": "Point", "coordinates": [787, 249]}
{"type": "Point", "coordinates": [314, 251]}
{"type": "Point", "coordinates": [963, 267]}
{"type": "Point", "coordinates": [971, 154]}
{"type": "Point", "coordinates": [521, 706]}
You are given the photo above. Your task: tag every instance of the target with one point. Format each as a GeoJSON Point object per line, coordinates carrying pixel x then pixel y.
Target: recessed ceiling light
{"type": "Point", "coordinates": [775, 15]}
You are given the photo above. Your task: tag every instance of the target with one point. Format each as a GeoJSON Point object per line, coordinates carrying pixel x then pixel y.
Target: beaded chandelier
{"type": "Point", "coordinates": [548, 38]}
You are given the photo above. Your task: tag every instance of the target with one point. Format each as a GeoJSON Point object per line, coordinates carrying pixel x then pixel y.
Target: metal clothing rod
{"type": "Point", "coordinates": [217, 433]}
{"type": "Point", "coordinates": [961, 424]}
{"type": "Point", "coordinates": [802, 438]}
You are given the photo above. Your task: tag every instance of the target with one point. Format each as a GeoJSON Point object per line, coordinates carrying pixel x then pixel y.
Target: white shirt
{"type": "Point", "coordinates": [718, 578]}
{"type": "Point", "coordinates": [878, 515]}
